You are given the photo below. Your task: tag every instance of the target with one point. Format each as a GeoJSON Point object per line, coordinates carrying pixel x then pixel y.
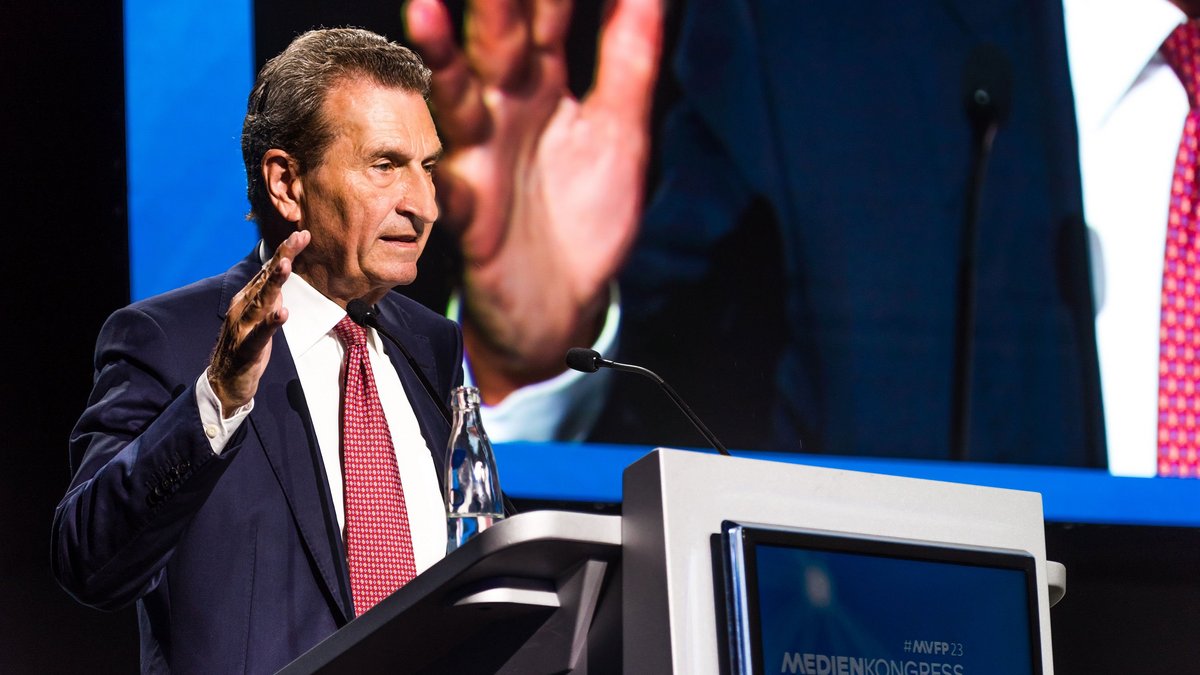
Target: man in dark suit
{"type": "Point", "coordinates": [209, 480]}
{"type": "Point", "coordinates": [851, 142]}
{"type": "Point", "coordinates": [828, 145]}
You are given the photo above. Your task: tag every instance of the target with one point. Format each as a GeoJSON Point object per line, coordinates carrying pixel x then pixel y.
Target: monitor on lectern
{"type": "Point", "coordinates": [820, 603]}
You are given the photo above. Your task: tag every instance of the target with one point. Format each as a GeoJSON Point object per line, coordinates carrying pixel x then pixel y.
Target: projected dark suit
{"type": "Point", "coordinates": [827, 144]}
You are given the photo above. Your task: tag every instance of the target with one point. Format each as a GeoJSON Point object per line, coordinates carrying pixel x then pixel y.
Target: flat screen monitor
{"type": "Point", "coordinates": [819, 603]}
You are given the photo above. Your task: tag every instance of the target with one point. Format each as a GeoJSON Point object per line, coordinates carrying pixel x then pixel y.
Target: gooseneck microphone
{"type": "Point", "coordinates": [987, 98]}
{"type": "Point", "coordinates": [589, 361]}
{"type": "Point", "coordinates": [363, 314]}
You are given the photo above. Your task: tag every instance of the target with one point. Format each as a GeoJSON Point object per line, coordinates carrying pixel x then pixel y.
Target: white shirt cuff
{"type": "Point", "coordinates": [563, 408]}
{"type": "Point", "coordinates": [217, 428]}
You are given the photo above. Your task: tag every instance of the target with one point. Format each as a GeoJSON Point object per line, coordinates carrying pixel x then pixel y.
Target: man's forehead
{"type": "Point", "coordinates": [360, 105]}
{"type": "Point", "coordinates": [351, 91]}
{"type": "Point", "coordinates": [358, 80]}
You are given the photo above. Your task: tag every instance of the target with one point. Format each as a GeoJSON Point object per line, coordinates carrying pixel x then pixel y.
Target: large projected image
{"type": "Point", "coordinates": [784, 255]}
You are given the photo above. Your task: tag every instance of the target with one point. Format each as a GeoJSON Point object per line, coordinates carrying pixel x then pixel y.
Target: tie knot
{"type": "Point", "coordinates": [349, 333]}
{"type": "Point", "coordinates": [1182, 52]}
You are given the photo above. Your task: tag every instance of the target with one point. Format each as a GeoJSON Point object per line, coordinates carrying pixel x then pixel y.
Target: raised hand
{"type": "Point", "coordinates": [545, 190]}
{"type": "Point", "coordinates": [256, 312]}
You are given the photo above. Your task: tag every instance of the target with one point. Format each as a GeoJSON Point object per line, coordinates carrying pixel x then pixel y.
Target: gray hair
{"type": "Point", "coordinates": [284, 110]}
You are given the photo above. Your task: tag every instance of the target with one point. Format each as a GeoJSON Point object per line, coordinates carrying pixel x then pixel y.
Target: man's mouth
{"type": "Point", "coordinates": [405, 235]}
{"type": "Point", "coordinates": [400, 238]}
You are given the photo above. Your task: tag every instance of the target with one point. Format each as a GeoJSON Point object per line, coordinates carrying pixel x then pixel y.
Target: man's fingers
{"type": "Point", "coordinates": [250, 332]}
{"type": "Point", "coordinates": [456, 199]}
{"type": "Point", "coordinates": [263, 293]}
{"type": "Point", "coordinates": [497, 36]}
{"type": "Point", "coordinates": [255, 314]}
{"type": "Point", "coordinates": [276, 270]}
{"type": "Point", "coordinates": [551, 21]}
{"type": "Point", "coordinates": [630, 43]}
{"type": "Point", "coordinates": [291, 247]}
{"type": "Point", "coordinates": [259, 335]}
{"type": "Point", "coordinates": [461, 114]}
{"type": "Point", "coordinates": [276, 273]}
{"type": "Point", "coordinates": [243, 349]}
{"type": "Point", "coordinates": [427, 23]}
{"type": "Point", "coordinates": [262, 290]}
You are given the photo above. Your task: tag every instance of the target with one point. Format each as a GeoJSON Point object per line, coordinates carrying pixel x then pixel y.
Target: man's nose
{"type": "Point", "coordinates": [419, 199]}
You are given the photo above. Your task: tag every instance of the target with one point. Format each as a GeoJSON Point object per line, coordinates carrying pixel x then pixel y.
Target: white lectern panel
{"type": "Point", "coordinates": [675, 501]}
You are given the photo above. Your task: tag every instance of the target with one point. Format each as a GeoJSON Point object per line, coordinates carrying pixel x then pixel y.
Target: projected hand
{"type": "Point", "coordinates": [544, 190]}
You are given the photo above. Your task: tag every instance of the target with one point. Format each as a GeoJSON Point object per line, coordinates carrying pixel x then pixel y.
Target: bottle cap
{"type": "Point", "coordinates": [464, 397]}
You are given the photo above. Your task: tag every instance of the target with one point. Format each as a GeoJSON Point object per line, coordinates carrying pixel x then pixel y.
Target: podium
{"type": "Point", "coordinates": [647, 591]}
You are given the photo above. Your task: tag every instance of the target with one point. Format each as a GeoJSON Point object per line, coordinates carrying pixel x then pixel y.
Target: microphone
{"type": "Point", "coordinates": [363, 314]}
{"type": "Point", "coordinates": [584, 360]}
{"type": "Point", "coordinates": [589, 361]}
{"type": "Point", "coordinates": [987, 99]}
{"type": "Point", "coordinates": [987, 87]}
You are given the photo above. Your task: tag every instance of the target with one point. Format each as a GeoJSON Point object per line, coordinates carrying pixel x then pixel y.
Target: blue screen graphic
{"type": "Point", "coordinates": [828, 613]}
{"type": "Point", "coordinates": [188, 68]}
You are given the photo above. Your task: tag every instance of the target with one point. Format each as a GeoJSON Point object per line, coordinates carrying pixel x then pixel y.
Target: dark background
{"type": "Point", "coordinates": [1132, 605]}
{"type": "Point", "coordinates": [65, 268]}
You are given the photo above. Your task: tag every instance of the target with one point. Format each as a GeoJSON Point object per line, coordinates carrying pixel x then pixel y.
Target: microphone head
{"type": "Point", "coordinates": [360, 312]}
{"type": "Point", "coordinates": [583, 360]}
{"type": "Point", "coordinates": [987, 85]}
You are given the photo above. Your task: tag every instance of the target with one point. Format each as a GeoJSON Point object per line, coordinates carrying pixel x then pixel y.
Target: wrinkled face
{"type": "Point", "coordinates": [369, 204]}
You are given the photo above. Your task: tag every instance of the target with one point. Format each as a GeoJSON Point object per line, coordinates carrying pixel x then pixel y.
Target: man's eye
{"type": "Point", "coordinates": [430, 167]}
{"type": "Point", "coordinates": [384, 166]}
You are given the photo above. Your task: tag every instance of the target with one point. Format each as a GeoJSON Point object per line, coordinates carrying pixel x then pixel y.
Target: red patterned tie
{"type": "Point", "coordinates": [1179, 336]}
{"type": "Point", "coordinates": [379, 547]}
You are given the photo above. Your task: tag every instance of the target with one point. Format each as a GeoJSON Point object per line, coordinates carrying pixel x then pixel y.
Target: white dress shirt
{"type": "Point", "coordinates": [1130, 109]}
{"type": "Point", "coordinates": [318, 355]}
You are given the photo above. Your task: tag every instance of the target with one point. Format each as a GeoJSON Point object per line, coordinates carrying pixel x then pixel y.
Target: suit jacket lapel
{"type": "Point", "coordinates": [394, 319]}
{"type": "Point", "coordinates": [283, 426]}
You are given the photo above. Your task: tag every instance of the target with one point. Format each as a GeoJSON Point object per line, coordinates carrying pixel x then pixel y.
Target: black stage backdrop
{"type": "Point", "coordinates": [65, 269]}
{"type": "Point", "coordinates": [1133, 602]}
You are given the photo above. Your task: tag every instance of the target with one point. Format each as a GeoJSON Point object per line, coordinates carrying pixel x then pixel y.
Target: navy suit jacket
{"type": "Point", "coordinates": [808, 209]}
{"type": "Point", "coordinates": [235, 561]}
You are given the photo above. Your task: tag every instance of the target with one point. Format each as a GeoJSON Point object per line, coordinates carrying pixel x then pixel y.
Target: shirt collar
{"type": "Point", "coordinates": [1111, 44]}
{"type": "Point", "coordinates": [311, 315]}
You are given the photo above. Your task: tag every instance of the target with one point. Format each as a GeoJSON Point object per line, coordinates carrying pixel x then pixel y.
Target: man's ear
{"type": "Point", "coordinates": [281, 173]}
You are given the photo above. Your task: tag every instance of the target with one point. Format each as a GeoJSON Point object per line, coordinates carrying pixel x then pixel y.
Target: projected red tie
{"type": "Point", "coordinates": [1179, 336]}
{"type": "Point", "coordinates": [379, 547]}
